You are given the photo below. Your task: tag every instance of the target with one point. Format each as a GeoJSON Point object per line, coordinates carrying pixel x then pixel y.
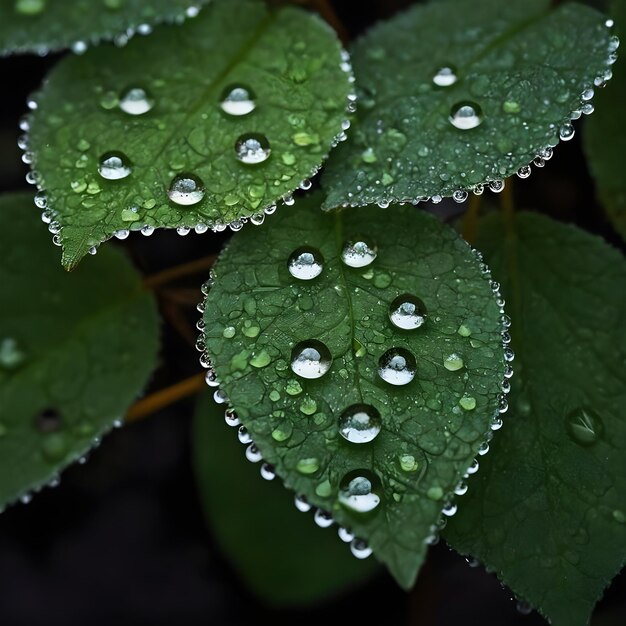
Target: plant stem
{"type": "Point", "coordinates": [164, 397]}
{"type": "Point", "coordinates": [506, 201]}
{"type": "Point", "coordinates": [186, 269]}
{"type": "Point", "coordinates": [471, 218]}
{"type": "Point", "coordinates": [326, 10]}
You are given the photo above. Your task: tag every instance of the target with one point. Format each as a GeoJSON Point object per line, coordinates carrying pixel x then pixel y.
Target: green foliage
{"type": "Point", "coordinates": [167, 154]}
{"type": "Point", "coordinates": [278, 552]}
{"type": "Point", "coordinates": [74, 351]}
{"type": "Point", "coordinates": [605, 141]}
{"type": "Point", "coordinates": [521, 66]}
{"type": "Point", "coordinates": [258, 316]}
{"type": "Point", "coordinates": [547, 510]}
{"type": "Point", "coordinates": [41, 26]}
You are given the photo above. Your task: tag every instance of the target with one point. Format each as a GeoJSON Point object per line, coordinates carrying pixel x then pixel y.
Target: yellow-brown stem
{"type": "Point", "coordinates": [179, 271]}
{"type": "Point", "coordinates": [470, 219]}
{"type": "Point", "coordinates": [164, 397]}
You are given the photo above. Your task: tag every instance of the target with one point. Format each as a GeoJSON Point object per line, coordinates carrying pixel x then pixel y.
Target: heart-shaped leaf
{"type": "Point", "coordinates": [75, 351]}
{"type": "Point", "coordinates": [193, 127]}
{"type": "Point", "coordinates": [364, 359]}
{"type": "Point", "coordinates": [41, 26]}
{"type": "Point", "coordinates": [457, 94]}
{"type": "Point", "coordinates": [547, 511]}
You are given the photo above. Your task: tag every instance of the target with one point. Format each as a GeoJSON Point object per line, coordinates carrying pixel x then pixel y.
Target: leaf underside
{"type": "Point", "coordinates": [257, 312]}
{"type": "Point", "coordinates": [75, 351]}
{"type": "Point", "coordinates": [279, 553]}
{"type": "Point", "coordinates": [605, 140]}
{"type": "Point", "coordinates": [42, 26]}
{"type": "Point", "coordinates": [522, 64]}
{"type": "Point", "coordinates": [288, 60]}
{"type": "Point", "coordinates": [547, 510]}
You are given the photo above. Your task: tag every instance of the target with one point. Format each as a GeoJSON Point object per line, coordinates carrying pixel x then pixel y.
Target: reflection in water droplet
{"type": "Point", "coordinates": [445, 76]}
{"type": "Point", "coordinates": [397, 366]}
{"type": "Point", "coordinates": [136, 101]}
{"type": "Point", "coordinates": [358, 252]}
{"type": "Point", "coordinates": [114, 166]}
{"type": "Point", "coordinates": [357, 491]}
{"type": "Point", "coordinates": [407, 312]}
{"type": "Point", "coordinates": [360, 423]}
{"type": "Point", "coordinates": [252, 148]}
{"type": "Point", "coordinates": [584, 426]}
{"type": "Point", "coordinates": [305, 263]}
{"type": "Point", "coordinates": [466, 115]}
{"type": "Point", "coordinates": [310, 359]}
{"type": "Point", "coordinates": [244, 436]}
{"type": "Point", "coordinates": [238, 100]}
{"type": "Point", "coordinates": [186, 189]}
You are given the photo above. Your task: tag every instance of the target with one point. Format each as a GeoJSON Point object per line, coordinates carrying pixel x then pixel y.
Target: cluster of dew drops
{"type": "Point", "coordinates": [360, 424]}
{"type": "Point", "coordinates": [466, 115]}
{"type": "Point", "coordinates": [186, 188]}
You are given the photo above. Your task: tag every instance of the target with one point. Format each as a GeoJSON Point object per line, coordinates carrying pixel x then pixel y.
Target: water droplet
{"type": "Point", "coordinates": [466, 115]}
{"type": "Point", "coordinates": [408, 463]}
{"type": "Point", "coordinates": [357, 491]}
{"type": "Point", "coordinates": [186, 190]}
{"type": "Point", "coordinates": [566, 132]}
{"type": "Point", "coordinates": [114, 166]}
{"type": "Point", "coordinates": [397, 366]}
{"type": "Point", "coordinates": [360, 423]}
{"type": "Point", "coordinates": [460, 195]}
{"type": "Point", "coordinates": [30, 7]}
{"type": "Point", "coordinates": [435, 493]}
{"type": "Point", "coordinates": [231, 418]}
{"type": "Point", "coordinates": [584, 426]}
{"type": "Point", "coordinates": [445, 76]}
{"type": "Point", "coordinates": [407, 312]}
{"type": "Point", "coordinates": [468, 403]}
{"type": "Point", "coordinates": [11, 356]}
{"type": "Point", "coordinates": [310, 359]}
{"type": "Point", "coordinates": [267, 472]}
{"type": "Point", "coordinates": [238, 100]}
{"type": "Point", "coordinates": [136, 101]}
{"type": "Point", "coordinates": [244, 436]}
{"type": "Point", "coordinates": [345, 534]}
{"type": "Point", "coordinates": [453, 362]}
{"type": "Point", "coordinates": [302, 504]}
{"type": "Point", "coordinates": [449, 509]}
{"type": "Point", "coordinates": [358, 252]}
{"type": "Point", "coordinates": [360, 549]}
{"type": "Point", "coordinates": [252, 148]}
{"type": "Point", "coordinates": [619, 516]}
{"type": "Point", "coordinates": [305, 263]}
{"type": "Point", "coordinates": [253, 454]}
{"type": "Point", "coordinates": [525, 171]}
{"type": "Point", "coordinates": [323, 518]}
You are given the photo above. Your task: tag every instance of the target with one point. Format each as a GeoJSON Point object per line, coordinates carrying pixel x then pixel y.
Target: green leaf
{"type": "Point", "coordinates": [258, 316]}
{"type": "Point", "coordinates": [279, 553]}
{"type": "Point", "coordinates": [42, 26]}
{"type": "Point", "coordinates": [605, 139]}
{"type": "Point", "coordinates": [547, 511]}
{"type": "Point", "coordinates": [288, 61]}
{"type": "Point", "coordinates": [522, 67]}
{"type": "Point", "coordinates": [75, 350]}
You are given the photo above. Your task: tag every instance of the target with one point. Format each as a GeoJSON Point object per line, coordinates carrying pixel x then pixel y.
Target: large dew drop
{"type": "Point", "coordinates": [397, 366]}
{"type": "Point", "coordinates": [584, 426]}
{"type": "Point", "coordinates": [237, 100]}
{"type": "Point", "coordinates": [186, 190]}
{"type": "Point", "coordinates": [114, 166]}
{"type": "Point", "coordinates": [360, 423]}
{"type": "Point", "coordinates": [305, 263]}
{"type": "Point", "coordinates": [358, 252]}
{"type": "Point", "coordinates": [357, 491]}
{"type": "Point", "coordinates": [466, 115]}
{"type": "Point", "coordinates": [136, 101]}
{"type": "Point", "coordinates": [310, 359]}
{"type": "Point", "coordinates": [252, 148]}
{"type": "Point", "coordinates": [407, 312]}
{"type": "Point", "coordinates": [445, 76]}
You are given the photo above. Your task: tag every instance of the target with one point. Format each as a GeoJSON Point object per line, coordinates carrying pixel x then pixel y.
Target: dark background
{"type": "Point", "coordinates": [122, 539]}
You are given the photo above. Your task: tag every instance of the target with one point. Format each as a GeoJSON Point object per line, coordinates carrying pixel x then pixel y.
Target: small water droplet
{"type": "Point", "coordinates": [302, 504]}
{"type": "Point", "coordinates": [114, 166]}
{"type": "Point", "coordinates": [238, 100]}
{"type": "Point", "coordinates": [445, 76]}
{"type": "Point", "coordinates": [136, 101]}
{"type": "Point", "coordinates": [360, 423]}
{"type": "Point", "coordinates": [323, 518]}
{"type": "Point", "coordinates": [449, 509]}
{"type": "Point", "coordinates": [408, 463]}
{"type": "Point", "coordinates": [252, 148]}
{"type": "Point", "coordinates": [584, 426]}
{"type": "Point", "coordinates": [11, 355]}
{"type": "Point", "coordinates": [407, 312]}
{"type": "Point", "coordinates": [186, 189]}
{"type": "Point", "coordinates": [525, 171]}
{"type": "Point", "coordinates": [244, 436]}
{"type": "Point", "coordinates": [397, 366]}
{"type": "Point", "coordinates": [357, 491]}
{"type": "Point", "coordinates": [360, 549]}
{"type": "Point", "coordinates": [267, 472]}
{"type": "Point", "coordinates": [358, 252]}
{"type": "Point", "coordinates": [231, 418]}
{"type": "Point", "coordinates": [566, 132]}
{"type": "Point", "coordinates": [310, 359]}
{"type": "Point", "coordinates": [345, 534]}
{"type": "Point", "coordinates": [30, 7]}
{"type": "Point", "coordinates": [305, 263]}
{"type": "Point", "coordinates": [453, 362]}
{"type": "Point", "coordinates": [466, 115]}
